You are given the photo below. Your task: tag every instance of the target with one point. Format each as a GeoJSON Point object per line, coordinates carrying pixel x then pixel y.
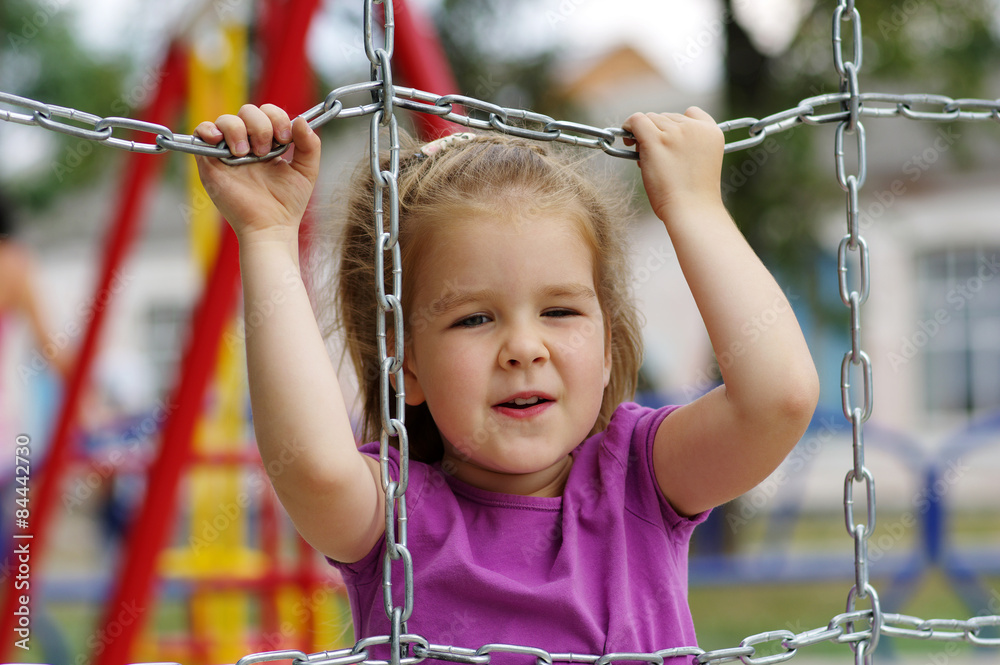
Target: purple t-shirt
{"type": "Point", "coordinates": [601, 569]}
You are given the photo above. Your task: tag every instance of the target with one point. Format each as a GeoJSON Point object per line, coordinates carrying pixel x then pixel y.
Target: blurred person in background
{"type": "Point", "coordinates": [19, 294]}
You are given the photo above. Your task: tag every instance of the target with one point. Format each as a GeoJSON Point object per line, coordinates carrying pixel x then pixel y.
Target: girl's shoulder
{"type": "Point", "coordinates": [621, 460]}
{"type": "Point", "coordinates": [632, 429]}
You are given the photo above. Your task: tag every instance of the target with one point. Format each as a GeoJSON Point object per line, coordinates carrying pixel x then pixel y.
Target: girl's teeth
{"type": "Point", "coordinates": [521, 402]}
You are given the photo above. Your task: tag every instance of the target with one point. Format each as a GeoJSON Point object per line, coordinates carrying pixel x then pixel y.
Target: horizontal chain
{"type": "Point", "coordinates": [517, 122]}
{"type": "Point", "coordinates": [101, 129]}
{"type": "Point", "coordinates": [942, 630]}
{"type": "Point", "coordinates": [840, 630]}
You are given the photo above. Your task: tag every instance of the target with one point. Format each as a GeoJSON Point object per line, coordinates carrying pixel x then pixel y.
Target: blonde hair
{"type": "Point", "coordinates": [478, 173]}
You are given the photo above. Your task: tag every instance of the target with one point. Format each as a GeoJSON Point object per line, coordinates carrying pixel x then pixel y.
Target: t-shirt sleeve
{"type": "Point", "coordinates": [650, 502]}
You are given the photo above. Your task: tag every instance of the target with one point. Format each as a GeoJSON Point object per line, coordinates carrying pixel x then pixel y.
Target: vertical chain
{"type": "Point", "coordinates": [856, 361]}
{"type": "Point", "coordinates": [386, 189]}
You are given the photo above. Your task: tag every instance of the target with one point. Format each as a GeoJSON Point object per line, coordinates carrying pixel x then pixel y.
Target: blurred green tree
{"type": "Point", "coordinates": [42, 58]}
{"type": "Point", "coordinates": [487, 68]}
{"type": "Point", "coordinates": [947, 47]}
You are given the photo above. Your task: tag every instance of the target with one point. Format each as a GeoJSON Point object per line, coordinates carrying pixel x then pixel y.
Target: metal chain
{"type": "Point", "coordinates": [517, 122]}
{"type": "Point", "coordinates": [102, 129]}
{"type": "Point", "coordinates": [855, 360]}
{"type": "Point", "coordinates": [840, 630]}
{"type": "Point", "coordinates": [393, 415]}
{"type": "Point", "coordinates": [851, 106]}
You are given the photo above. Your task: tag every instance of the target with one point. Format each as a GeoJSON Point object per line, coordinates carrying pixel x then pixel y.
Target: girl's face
{"type": "Point", "coordinates": [508, 348]}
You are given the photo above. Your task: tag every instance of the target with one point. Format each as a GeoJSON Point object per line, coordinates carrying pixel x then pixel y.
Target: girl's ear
{"type": "Point", "coordinates": [414, 393]}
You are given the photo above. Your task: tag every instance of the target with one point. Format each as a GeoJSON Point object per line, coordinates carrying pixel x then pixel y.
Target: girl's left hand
{"type": "Point", "coordinates": [680, 156]}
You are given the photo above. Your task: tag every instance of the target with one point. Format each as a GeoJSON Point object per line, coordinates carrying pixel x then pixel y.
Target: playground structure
{"type": "Point", "coordinates": [181, 438]}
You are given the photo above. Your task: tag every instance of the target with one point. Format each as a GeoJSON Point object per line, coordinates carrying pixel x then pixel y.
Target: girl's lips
{"type": "Point", "coordinates": [523, 412]}
{"type": "Point", "coordinates": [526, 394]}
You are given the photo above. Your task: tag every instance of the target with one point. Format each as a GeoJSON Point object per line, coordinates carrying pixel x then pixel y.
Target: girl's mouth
{"type": "Point", "coordinates": [523, 403]}
{"type": "Point", "coordinates": [524, 407]}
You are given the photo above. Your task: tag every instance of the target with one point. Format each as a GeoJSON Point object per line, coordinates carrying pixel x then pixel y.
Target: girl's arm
{"type": "Point", "coordinates": [727, 441]}
{"type": "Point", "coordinates": [330, 490]}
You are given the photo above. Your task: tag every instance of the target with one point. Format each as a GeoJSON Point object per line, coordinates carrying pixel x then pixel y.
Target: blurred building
{"type": "Point", "coordinates": [931, 216]}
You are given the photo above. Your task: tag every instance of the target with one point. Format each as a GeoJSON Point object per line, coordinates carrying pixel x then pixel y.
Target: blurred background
{"type": "Point", "coordinates": [160, 539]}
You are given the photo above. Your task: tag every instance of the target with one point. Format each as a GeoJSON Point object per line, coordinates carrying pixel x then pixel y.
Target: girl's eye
{"type": "Point", "coordinates": [559, 312]}
{"type": "Point", "coordinates": [471, 321]}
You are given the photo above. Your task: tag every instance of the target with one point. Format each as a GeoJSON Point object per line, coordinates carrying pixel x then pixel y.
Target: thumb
{"type": "Point", "coordinates": [305, 158]}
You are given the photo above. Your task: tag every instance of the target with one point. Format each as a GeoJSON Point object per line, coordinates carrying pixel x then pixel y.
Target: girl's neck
{"type": "Point", "coordinates": [548, 482]}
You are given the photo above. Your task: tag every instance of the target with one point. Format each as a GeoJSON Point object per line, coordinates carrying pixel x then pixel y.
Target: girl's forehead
{"type": "Point", "coordinates": [506, 220]}
{"type": "Point", "coordinates": [471, 249]}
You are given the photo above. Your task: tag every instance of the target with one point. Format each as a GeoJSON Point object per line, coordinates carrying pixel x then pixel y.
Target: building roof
{"type": "Point", "coordinates": [621, 66]}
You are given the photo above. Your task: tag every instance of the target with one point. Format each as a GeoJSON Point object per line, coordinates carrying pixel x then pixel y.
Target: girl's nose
{"type": "Point", "coordinates": [523, 347]}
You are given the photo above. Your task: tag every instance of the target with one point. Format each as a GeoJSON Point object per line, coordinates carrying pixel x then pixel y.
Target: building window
{"type": "Point", "coordinates": [960, 292]}
{"type": "Point", "coordinates": [166, 332]}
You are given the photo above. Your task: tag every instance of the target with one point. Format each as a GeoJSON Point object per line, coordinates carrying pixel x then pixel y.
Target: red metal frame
{"type": "Point", "coordinates": [151, 525]}
{"type": "Point", "coordinates": [141, 173]}
{"type": "Point", "coordinates": [283, 80]}
{"type": "Point", "coordinates": [418, 56]}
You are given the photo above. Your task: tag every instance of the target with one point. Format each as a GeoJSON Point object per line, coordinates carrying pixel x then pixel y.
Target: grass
{"type": "Point", "coordinates": [723, 616]}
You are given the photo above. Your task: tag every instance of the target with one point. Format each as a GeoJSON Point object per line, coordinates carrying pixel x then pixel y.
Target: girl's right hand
{"type": "Point", "coordinates": [263, 200]}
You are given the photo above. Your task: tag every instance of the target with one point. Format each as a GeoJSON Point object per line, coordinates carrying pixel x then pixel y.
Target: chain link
{"type": "Point", "coordinates": [532, 125]}
{"type": "Point", "coordinates": [391, 367]}
{"type": "Point", "coordinates": [851, 105]}
{"type": "Point", "coordinates": [853, 297]}
{"type": "Point", "coordinates": [842, 629]}
{"type": "Point", "coordinates": [272, 656]}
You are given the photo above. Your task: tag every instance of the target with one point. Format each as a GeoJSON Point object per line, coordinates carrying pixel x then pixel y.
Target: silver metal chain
{"type": "Point", "coordinates": [491, 117]}
{"type": "Point", "coordinates": [854, 297]}
{"type": "Point", "coordinates": [382, 99]}
{"type": "Point", "coordinates": [393, 415]}
{"type": "Point", "coordinates": [781, 645]}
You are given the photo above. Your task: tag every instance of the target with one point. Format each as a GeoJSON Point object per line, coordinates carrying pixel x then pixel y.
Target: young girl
{"type": "Point", "coordinates": [545, 509]}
